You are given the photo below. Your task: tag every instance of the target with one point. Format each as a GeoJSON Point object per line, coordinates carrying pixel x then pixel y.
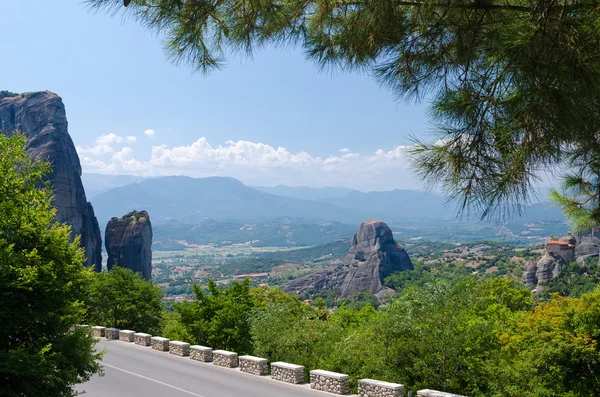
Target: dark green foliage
{"type": "Point", "coordinates": [425, 274]}
{"type": "Point", "coordinates": [42, 285]}
{"type": "Point", "coordinates": [218, 318]}
{"type": "Point", "coordinates": [123, 299]}
{"type": "Point", "coordinates": [7, 94]}
{"type": "Point", "coordinates": [574, 280]}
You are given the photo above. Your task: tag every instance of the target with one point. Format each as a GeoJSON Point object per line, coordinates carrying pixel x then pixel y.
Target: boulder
{"type": "Point", "coordinates": [373, 255]}
{"type": "Point", "coordinates": [41, 117]}
{"type": "Point", "coordinates": [129, 243]}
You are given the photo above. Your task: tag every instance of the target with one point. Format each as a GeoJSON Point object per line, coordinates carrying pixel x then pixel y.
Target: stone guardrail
{"type": "Point", "coordinates": [142, 339]}
{"type": "Point", "coordinates": [201, 353]}
{"type": "Point", "coordinates": [223, 358]}
{"type": "Point", "coordinates": [160, 344]}
{"type": "Point", "coordinates": [377, 388]}
{"type": "Point", "coordinates": [328, 381]}
{"type": "Point", "coordinates": [254, 365]}
{"type": "Point", "coordinates": [322, 380]}
{"type": "Point", "coordinates": [435, 393]}
{"type": "Point", "coordinates": [98, 332]}
{"type": "Point", "coordinates": [285, 372]}
{"type": "Point", "coordinates": [179, 348]}
{"type": "Point", "coordinates": [126, 335]}
{"type": "Point", "coordinates": [111, 333]}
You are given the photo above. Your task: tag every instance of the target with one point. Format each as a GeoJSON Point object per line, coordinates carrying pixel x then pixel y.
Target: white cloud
{"type": "Point", "coordinates": [262, 164]}
{"type": "Point", "coordinates": [345, 150]}
{"type": "Point", "coordinates": [104, 144]}
{"type": "Point", "coordinates": [150, 133]}
{"type": "Point", "coordinates": [108, 139]}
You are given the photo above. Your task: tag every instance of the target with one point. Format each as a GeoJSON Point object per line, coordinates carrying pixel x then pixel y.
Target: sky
{"type": "Point", "coordinates": [266, 120]}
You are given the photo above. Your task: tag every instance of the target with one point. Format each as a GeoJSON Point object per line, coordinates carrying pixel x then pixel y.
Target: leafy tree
{"type": "Point", "coordinates": [513, 83]}
{"type": "Point", "coordinates": [42, 285]}
{"type": "Point", "coordinates": [554, 350]}
{"type": "Point", "coordinates": [123, 299]}
{"type": "Point", "coordinates": [218, 318]}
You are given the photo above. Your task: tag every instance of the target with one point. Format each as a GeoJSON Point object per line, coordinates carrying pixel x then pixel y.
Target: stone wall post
{"type": "Point", "coordinates": [224, 358]}
{"type": "Point", "coordinates": [111, 333]}
{"type": "Point", "coordinates": [285, 372]}
{"type": "Point", "coordinates": [253, 365]}
{"type": "Point", "coordinates": [126, 335]}
{"type": "Point", "coordinates": [160, 344]}
{"type": "Point", "coordinates": [179, 348]}
{"type": "Point", "coordinates": [328, 381]}
{"type": "Point", "coordinates": [201, 353]}
{"type": "Point", "coordinates": [142, 339]}
{"type": "Point", "coordinates": [98, 332]}
{"type": "Point", "coordinates": [376, 388]}
{"type": "Point", "coordinates": [435, 393]}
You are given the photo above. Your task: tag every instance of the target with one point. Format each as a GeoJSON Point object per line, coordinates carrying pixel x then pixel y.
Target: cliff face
{"type": "Point", "coordinates": [41, 117]}
{"type": "Point", "coordinates": [374, 254]}
{"type": "Point", "coordinates": [129, 243]}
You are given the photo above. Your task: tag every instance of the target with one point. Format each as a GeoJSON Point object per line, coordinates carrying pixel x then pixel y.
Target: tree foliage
{"type": "Point", "coordinates": [513, 83]}
{"type": "Point", "coordinates": [42, 286]}
{"type": "Point", "coordinates": [554, 350]}
{"type": "Point", "coordinates": [122, 298]}
{"type": "Point", "coordinates": [218, 318]}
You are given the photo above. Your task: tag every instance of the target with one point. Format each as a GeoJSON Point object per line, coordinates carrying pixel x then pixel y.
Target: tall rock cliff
{"type": "Point", "coordinates": [41, 117]}
{"type": "Point", "coordinates": [373, 255]}
{"type": "Point", "coordinates": [129, 243]}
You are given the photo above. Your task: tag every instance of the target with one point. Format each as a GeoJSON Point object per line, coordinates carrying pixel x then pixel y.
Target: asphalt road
{"type": "Point", "coordinates": [137, 371]}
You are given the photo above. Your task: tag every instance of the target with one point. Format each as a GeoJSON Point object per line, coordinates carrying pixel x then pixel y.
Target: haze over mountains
{"type": "Point", "coordinates": [196, 200]}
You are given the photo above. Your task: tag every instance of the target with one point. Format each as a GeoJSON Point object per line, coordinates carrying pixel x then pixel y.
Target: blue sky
{"type": "Point", "coordinates": [268, 120]}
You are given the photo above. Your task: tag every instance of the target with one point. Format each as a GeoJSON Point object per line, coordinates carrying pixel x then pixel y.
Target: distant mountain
{"type": "Point", "coordinates": [95, 184]}
{"type": "Point", "coordinates": [396, 204]}
{"type": "Point", "coordinates": [305, 192]}
{"type": "Point", "coordinates": [213, 210]}
{"type": "Point", "coordinates": [194, 200]}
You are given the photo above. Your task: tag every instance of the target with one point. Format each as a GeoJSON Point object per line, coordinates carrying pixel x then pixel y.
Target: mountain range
{"type": "Point", "coordinates": [197, 200]}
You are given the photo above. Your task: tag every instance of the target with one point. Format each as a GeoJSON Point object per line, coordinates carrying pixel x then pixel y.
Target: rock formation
{"type": "Point", "coordinates": [129, 243]}
{"type": "Point", "coordinates": [41, 117]}
{"type": "Point", "coordinates": [373, 255]}
{"type": "Point", "coordinates": [588, 247]}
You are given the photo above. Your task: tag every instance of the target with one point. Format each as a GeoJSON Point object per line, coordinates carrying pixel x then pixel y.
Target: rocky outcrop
{"type": "Point", "coordinates": [546, 268]}
{"type": "Point", "coordinates": [129, 243]}
{"type": "Point", "coordinates": [41, 117]}
{"type": "Point", "coordinates": [373, 255]}
{"type": "Point", "coordinates": [588, 247]}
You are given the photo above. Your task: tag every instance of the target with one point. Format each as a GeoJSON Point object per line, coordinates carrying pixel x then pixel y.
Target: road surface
{"type": "Point", "coordinates": [137, 371]}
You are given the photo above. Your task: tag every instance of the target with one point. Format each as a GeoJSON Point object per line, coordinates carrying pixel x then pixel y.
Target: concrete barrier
{"type": "Point", "coordinates": [328, 381]}
{"type": "Point", "coordinates": [142, 339]}
{"type": "Point", "coordinates": [98, 332]}
{"type": "Point", "coordinates": [377, 388]}
{"type": "Point", "coordinates": [126, 335]}
{"type": "Point", "coordinates": [435, 393]}
{"type": "Point", "coordinates": [179, 348]}
{"type": "Point", "coordinates": [201, 353]}
{"type": "Point", "coordinates": [253, 365]}
{"type": "Point", "coordinates": [111, 333]}
{"type": "Point", "coordinates": [285, 372]}
{"type": "Point", "coordinates": [223, 358]}
{"type": "Point", "coordinates": [160, 344]}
